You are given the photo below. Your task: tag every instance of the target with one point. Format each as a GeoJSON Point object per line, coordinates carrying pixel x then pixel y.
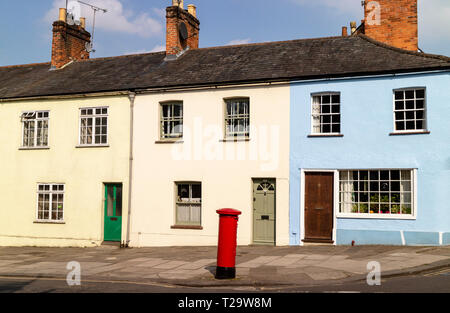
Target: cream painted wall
{"type": "Point", "coordinates": [226, 183]}
{"type": "Point", "coordinates": [82, 170]}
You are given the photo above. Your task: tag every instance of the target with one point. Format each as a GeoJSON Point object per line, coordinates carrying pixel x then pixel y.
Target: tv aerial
{"type": "Point", "coordinates": [74, 15]}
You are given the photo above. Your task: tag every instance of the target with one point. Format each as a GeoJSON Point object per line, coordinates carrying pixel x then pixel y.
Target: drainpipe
{"type": "Point", "coordinates": [131, 97]}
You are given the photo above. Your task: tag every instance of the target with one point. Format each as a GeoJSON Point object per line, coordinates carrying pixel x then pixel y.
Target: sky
{"type": "Point", "coordinates": [138, 26]}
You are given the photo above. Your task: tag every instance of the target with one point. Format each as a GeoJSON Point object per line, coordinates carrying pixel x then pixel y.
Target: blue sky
{"type": "Point", "coordinates": [138, 26]}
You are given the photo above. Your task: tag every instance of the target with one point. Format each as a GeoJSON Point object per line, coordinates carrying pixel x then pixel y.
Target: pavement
{"type": "Point", "coordinates": [256, 266]}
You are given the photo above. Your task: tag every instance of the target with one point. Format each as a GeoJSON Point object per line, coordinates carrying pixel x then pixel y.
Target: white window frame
{"type": "Point", "coordinates": [93, 117]}
{"type": "Point", "coordinates": [50, 192]}
{"type": "Point", "coordinates": [36, 119]}
{"type": "Point", "coordinates": [246, 116]}
{"type": "Point", "coordinates": [425, 113]}
{"type": "Point", "coordinates": [412, 216]}
{"type": "Point", "coordinates": [199, 204]}
{"type": "Point", "coordinates": [331, 94]}
{"type": "Point", "coordinates": [162, 135]}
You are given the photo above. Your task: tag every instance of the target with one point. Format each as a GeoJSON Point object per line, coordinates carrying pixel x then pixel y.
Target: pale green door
{"type": "Point", "coordinates": [264, 211]}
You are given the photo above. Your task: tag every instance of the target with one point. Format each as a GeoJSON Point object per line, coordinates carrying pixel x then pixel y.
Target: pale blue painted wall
{"type": "Point", "coordinates": [367, 121]}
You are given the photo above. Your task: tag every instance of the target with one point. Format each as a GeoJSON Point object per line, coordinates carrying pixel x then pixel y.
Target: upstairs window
{"type": "Point", "coordinates": [93, 126]}
{"type": "Point", "coordinates": [171, 120]}
{"type": "Point", "coordinates": [326, 114]}
{"type": "Point", "coordinates": [35, 129]}
{"type": "Point", "coordinates": [410, 110]}
{"type": "Point", "coordinates": [237, 118]}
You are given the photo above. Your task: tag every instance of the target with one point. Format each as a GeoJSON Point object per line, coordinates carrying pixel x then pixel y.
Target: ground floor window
{"type": "Point", "coordinates": [50, 202]}
{"type": "Point", "coordinates": [381, 192]}
{"type": "Point", "coordinates": [188, 204]}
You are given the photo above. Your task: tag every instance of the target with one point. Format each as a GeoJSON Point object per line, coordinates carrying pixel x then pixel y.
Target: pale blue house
{"type": "Point", "coordinates": [370, 152]}
{"type": "Point", "coordinates": [369, 178]}
{"type": "Point", "coordinates": [370, 138]}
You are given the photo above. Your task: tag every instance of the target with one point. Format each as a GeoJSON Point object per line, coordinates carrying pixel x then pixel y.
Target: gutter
{"type": "Point", "coordinates": [131, 97]}
{"type": "Point", "coordinates": [367, 76]}
{"type": "Point", "coordinates": [68, 96]}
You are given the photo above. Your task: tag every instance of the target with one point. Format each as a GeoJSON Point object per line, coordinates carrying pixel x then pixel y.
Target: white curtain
{"type": "Point", "coordinates": [405, 189]}
{"type": "Point", "coordinates": [316, 115]}
{"type": "Point", "coordinates": [347, 191]}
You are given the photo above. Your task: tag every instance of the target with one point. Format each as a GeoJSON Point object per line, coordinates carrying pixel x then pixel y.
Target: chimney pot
{"type": "Point", "coordinates": [344, 31]}
{"type": "Point", "coordinates": [83, 22]}
{"type": "Point", "coordinates": [353, 27]}
{"type": "Point", "coordinates": [63, 15]}
{"type": "Point", "coordinates": [178, 3]}
{"type": "Point", "coordinates": [192, 9]}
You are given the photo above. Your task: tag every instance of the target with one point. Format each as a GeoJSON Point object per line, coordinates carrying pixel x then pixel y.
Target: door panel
{"type": "Point", "coordinates": [113, 212]}
{"type": "Point", "coordinates": [264, 211]}
{"type": "Point", "coordinates": [319, 199]}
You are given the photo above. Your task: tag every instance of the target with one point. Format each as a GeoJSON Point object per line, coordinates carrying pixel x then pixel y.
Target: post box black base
{"type": "Point", "coordinates": [225, 272]}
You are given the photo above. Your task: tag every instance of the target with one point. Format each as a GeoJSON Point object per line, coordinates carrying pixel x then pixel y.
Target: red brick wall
{"type": "Point", "coordinates": [174, 44]}
{"type": "Point", "coordinates": [398, 23]}
{"type": "Point", "coordinates": [69, 43]}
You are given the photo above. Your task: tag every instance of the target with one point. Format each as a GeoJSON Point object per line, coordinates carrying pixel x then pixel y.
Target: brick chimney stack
{"type": "Point", "coordinates": [393, 22]}
{"type": "Point", "coordinates": [69, 41]}
{"type": "Point", "coordinates": [182, 30]}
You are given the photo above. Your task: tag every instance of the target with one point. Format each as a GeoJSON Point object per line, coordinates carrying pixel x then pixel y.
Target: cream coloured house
{"type": "Point", "coordinates": [64, 150]}
{"type": "Point", "coordinates": [62, 176]}
{"type": "Point", "coordinates": [189, 162]}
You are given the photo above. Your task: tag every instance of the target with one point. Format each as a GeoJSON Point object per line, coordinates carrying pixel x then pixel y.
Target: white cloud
{"type": "Point", "coordinates": [157, 48]}
{"type": "Point", "coordinates": [238, 42]}
{"type": "Point", "coordinates": [434, 18]}
{"type": "Point", "coordinates": [434, 24]}
{"type": "Point", "coordinates": [117, 19]}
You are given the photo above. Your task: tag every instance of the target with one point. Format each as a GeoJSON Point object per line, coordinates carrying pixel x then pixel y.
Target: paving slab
{"type": "Point", "coordinates": [151, 262]}
{"type": "Point", "coordinates": [170, 265]}
{"type": "Point", "coordinates": [259, 261]}
{"type": "Point", "coordinates": [286, 260]}
{"type": "Point", "coordinates": [198, 264]}
{"type": "Point", "coordinates": [327, 275]}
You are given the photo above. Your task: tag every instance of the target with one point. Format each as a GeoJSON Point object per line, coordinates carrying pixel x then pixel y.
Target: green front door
{"type": "Point", "coordinates": [264, 211]}
{"type": "Point", "coordinates": [113, 212]}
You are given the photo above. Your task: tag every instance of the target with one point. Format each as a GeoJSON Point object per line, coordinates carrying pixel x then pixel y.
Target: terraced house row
{"type": "Point", "coordinates": [340, 140]}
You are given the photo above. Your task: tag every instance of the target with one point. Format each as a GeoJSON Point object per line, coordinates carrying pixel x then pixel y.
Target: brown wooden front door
{"type": "Point", "coordinates": [319, 201]}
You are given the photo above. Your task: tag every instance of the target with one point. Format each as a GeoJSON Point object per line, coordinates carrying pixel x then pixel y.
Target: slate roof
{"type": "Point", "coordinates": [273, 61]}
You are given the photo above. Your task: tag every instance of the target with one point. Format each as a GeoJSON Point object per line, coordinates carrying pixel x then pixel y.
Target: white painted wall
{"type": "Point", "coordinates": [226, 182]}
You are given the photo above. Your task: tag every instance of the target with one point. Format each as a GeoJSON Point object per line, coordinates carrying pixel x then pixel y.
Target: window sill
{"type": "Point", "coordinates": [235, 140]}
{"type": "Point", "coordinates": [50, 222]}
{"type": "Point", "coordinates": [376, 216]}
{"type": "Point", "coordinates": [187, 227]}
{"type": "Point", "coordinates": [168, 141]}
{"type": "Point", "coordinates": [33, 148]}
{"type": "Point", "coordinates": [420, 132]}
{"type": "Point", "coordinates": [324, 135]}
{"type": "Point", "coordinates": [91, 146]}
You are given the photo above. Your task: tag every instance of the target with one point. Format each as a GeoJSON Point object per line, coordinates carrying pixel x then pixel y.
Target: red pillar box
{"type": "Point", "coordinates": [226, 252]}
